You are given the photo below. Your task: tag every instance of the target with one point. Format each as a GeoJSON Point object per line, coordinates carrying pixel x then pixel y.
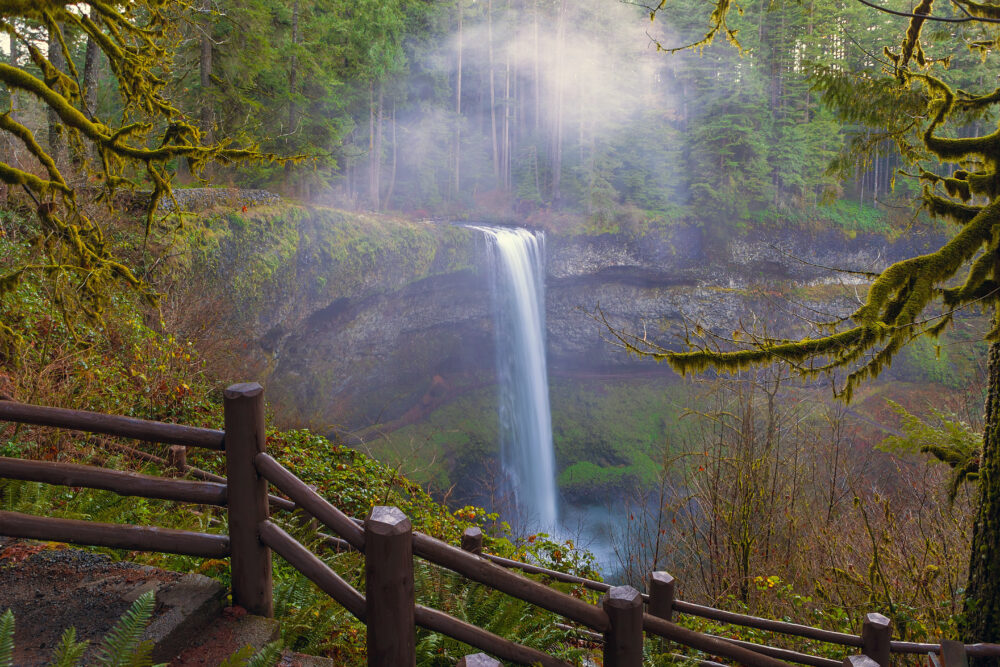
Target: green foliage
{"type": "Point", "coordinates": [855, 217]}
{"type": "Point", "coordinates": [930, 361]}
{"type": "Point", "coordinates": [268, 656]}
{"type": "Point", "coordinates": [946, 438]}
{"type": "Point", "coordinates": [729, 161]}
{"type": "Point", "coordinates": [10, 448]}
{"type": "Point", "coordinates": [494, 612]}
{"type": "Point", "coordinates": [585, 480]}
{"type": "Point", "coordinates": [596, 451]}
{"type": "Point", "coordinates": [148, 132]}
{"type": "Point", "coordinates": [121, 647]}
{"type": "Point", "coordinates": [69, 652]}
{"type": "Point", "coordinates": [7, 639]}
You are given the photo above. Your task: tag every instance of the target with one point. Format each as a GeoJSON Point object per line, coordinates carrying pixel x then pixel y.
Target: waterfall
{"type": "Point", "coordinates": [517, 258]}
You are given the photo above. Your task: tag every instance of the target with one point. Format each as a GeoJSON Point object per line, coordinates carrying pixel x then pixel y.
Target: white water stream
{"type": "Point", "coordinates": [517, 258]}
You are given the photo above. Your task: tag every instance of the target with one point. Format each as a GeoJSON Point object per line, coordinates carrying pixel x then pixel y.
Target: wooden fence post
{"type": "Point", "coordinates": [875, 636]}
{"type": "Point", "coordinates": [623, 639]}
{"type": "Point", "coordinates": [661, 595]}
{"type": "Point", "coordinates": [953, 654]}
{"type": "Point", "coordinates": [389, 588]}
{"type": "Point", "coordinates": [479, 660]}
{"type": "Point", "coordinates": [859, 661]}
{"type": "Point", "coordinates": [472, 541]}
{"type": "Point", "coordinates": [243, 405]}
{"type": "Point", "coordinates": [177, 458]}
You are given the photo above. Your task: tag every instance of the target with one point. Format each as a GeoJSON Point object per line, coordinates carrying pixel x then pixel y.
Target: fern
{"type": "Point", "coordinates": [124, 639]}
{"type": "Point", "coordinates": [7, 639]}
{"type": "Point", "coordinates": [245, 657]}
{"type": "Point", "coordinates": [267, 656]}
{"type": "Point", "coordinates": [239, 658]}
{"type": "Point", "coordinates": [69, 652]}
{"type": "Point", "coordinates": [142, 656]}
{"type": "Point", "coordinates": [121, 648]}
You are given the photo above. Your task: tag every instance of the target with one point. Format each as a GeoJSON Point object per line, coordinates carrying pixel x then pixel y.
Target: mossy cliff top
{"type": "Point", "coordinates": [279, 263]}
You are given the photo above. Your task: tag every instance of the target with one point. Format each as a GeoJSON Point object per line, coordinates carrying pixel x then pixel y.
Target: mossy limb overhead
{"type": "Point", "coordinates": [148, 134]}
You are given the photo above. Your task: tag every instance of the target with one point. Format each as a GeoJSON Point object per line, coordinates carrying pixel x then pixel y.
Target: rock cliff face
{"type": "Point", "coordinates": [361, 322]}
{"type": "Point", "coordinates": [652, 286]}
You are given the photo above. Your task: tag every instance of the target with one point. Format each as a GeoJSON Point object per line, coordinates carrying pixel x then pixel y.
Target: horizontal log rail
{"type": "Point", "coordinates": [707, 643]}
{"type": "Point", "coordinates": [122, 483]}
{"type": "Point", "coordinates": [442, 623]}
{"type": "Point", "coordinates": [125, 427]}
{"type": "Point", "coordinates": [309, 500]}
{"type": "Point", "coordinates": [979, 650]}
{"type": "Point", "coordinates": [276, 502]}
{"type": "Point", "coordinates": [509, 563]}
{"type": "Point", "coordinates": [782, 627]}
{"type": "Point", "coordinates": [785, 654]}
{"type": "Point", "coordinates": [494, 576]}
{"type": "Point", "coordinates": [734, 618]}
{"type": "Point", "coordinates": [113, 535]}
{"type": "Point", "coordinates": [745, 620]}
{"type": "Point", "coordinates": [313, 569]}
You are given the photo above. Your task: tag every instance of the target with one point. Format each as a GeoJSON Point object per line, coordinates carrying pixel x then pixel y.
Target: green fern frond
{"type": "Point", "coordinates": [123, 640]}
{"type": "Point", "coordinates": [7, 639]}
{"type": "Point", "coordinates": [267, 656]}
{"type": "Point", "coordinates": [143, 655]}
{"type": "Point", "coordinates": [69, 651]}
{"type": "Point", "coordinates": [239, 658]}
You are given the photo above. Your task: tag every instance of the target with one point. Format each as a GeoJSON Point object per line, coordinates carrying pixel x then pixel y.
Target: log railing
{"type": "Point", "coordinates": [389, 546]}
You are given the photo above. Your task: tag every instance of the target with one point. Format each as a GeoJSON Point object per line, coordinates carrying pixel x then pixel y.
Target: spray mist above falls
{"type": "Point", "coordinates": [517, 260]}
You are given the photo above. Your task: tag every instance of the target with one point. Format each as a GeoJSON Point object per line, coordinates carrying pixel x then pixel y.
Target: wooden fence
{"type": "Point", "coordinates": [389, 545]}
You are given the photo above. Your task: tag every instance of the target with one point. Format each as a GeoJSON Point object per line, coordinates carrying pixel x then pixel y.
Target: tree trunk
{"type": "Point", "coordinates": [457, 177]}
{"type": "Point", "coordinates": [536, 75]}
{"type": "Point", "coordinates": [293, 73]}
{"type": "Point", "coordinates": [557, 134]}
{"type": "Point", "coordinates": [507, 107]}
{"type": "Point", "coordinates": [395, 158]}
{"type": "Point", "coordinates": [8, 144]}
{"type": "Point", "coordinates": [293, 70]}
{"type": "Point", "coordinates": [493, 97]}
{"type": "Point", "coordinates": [379, 144]}
{"type": "Point", "coordinates": [372, 190]}
{"type": "Point", "coordinates": [57, 144]}
{"type": "Point", "coordinates": [90, 80]}
{"type": "Point", "coordinates": [982, 595]}
{"type": "Point", "coordinates": [205, 70]}
{"type": "Point", "coordinates": [375, 146]}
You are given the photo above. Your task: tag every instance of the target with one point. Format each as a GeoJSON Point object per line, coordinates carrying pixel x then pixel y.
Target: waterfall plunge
{"type": "Point", "coordinates": [517, 257]}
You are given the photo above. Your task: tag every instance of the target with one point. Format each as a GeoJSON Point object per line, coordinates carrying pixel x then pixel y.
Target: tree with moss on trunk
{"type": "Point", "coordinates": [914, 105]}
{"type": "Point", "coordinates": [134, 147]}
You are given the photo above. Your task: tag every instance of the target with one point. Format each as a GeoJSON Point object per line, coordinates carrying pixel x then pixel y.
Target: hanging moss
{"type": "Point", "coordinates": [136, 39]}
